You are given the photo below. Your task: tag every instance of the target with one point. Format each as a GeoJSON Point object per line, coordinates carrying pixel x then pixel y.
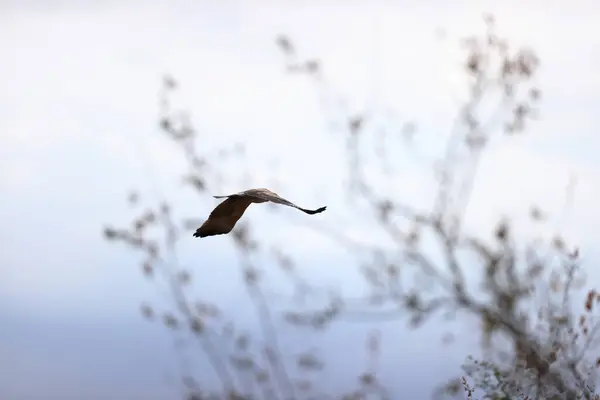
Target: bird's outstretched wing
{"type": "Point", "coordinates": [267, 195]}
{"type": "Point", "coordinates": [224, 217]}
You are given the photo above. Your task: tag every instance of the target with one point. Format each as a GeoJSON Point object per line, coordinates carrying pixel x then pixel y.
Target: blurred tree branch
{"type": "Point", "coordinates": [529, 353]}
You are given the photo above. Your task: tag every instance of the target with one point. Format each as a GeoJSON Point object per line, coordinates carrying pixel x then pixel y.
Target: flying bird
{"type": "Point", "coordinates": [224, 217]}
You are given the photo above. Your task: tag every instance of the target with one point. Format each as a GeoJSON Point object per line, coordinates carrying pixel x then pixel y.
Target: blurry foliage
{"type": "Point", "coordinates": [534, 342]}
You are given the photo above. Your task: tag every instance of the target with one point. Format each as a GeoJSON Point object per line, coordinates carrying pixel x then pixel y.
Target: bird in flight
{"type": "Point", "coordinates": [224, 217]}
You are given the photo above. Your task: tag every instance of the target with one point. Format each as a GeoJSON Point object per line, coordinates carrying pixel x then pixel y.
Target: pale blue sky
{"type": "Point", "coordinates": [78, 107]}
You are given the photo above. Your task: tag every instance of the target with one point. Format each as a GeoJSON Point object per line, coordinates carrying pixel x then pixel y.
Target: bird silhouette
{"type": "Point", "coordinates": [224, 217]}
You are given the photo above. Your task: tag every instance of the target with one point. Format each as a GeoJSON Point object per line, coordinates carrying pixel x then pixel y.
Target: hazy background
{"type": "Point", "coordinates": [78, 130]}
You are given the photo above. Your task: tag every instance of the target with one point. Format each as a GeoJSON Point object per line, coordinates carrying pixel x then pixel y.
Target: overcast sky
{"type": "Point", "coordinates": [78, 112]}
